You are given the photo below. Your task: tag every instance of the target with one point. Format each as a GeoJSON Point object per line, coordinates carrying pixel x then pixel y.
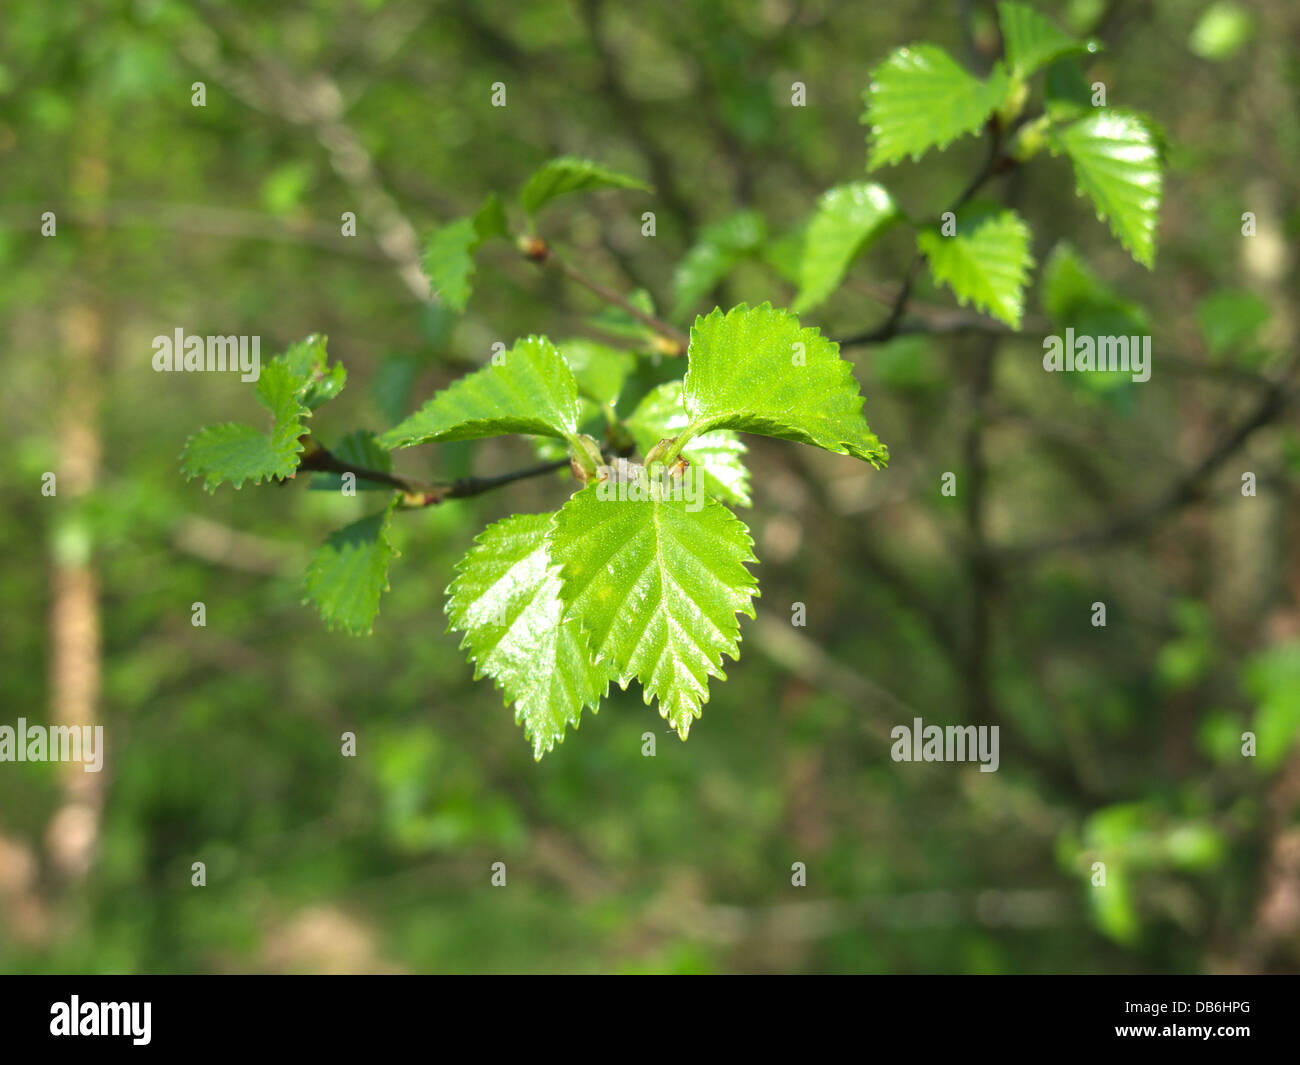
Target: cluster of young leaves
{"type": "Point", "coordinates": [349, 572]}
{"type": "Point", "coordinates": [920, 98]}
{"type": "Point", "coordinates": [290, 386]}
{"type": "Point", "coordinates": [639, 575]}
{"type": "Point", "coordinates": [643, 572]}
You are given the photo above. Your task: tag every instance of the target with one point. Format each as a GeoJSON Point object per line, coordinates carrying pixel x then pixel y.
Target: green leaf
{"type": "Point", "coordinates": [600, 371]}
{"type": "Point", "coordinates": [569, 174]}
{"type": "Point", "coordinates": [307, 362]}
{"type": "Point", "coordinates": [449, 252]}
{"type": "Point", "coordinates": [234, 453]}
{"type": "Point", "coordinates": [756, 370]}
{"type": "Point", "coordinates": [490, 220]}
{"type": "Point", "coordinates": [531, 390]}
{"type": "Point", "coordinates": [289, 386]}
{"type": "Point", "coordinates": [1117, 165]}
{"type": "Point", "coordinates": [657, 584]}
{"type": "Point", "coordinates": [1032, 41]}
{"type": "Point", "coordinates": [285, 187]}
{"type": "Point", "coordinates": [1272, 679]}
{"type": "Point", "coordinates": [1066, 92]}
{"type": "Point", "coordinates": [1193, 847]}
{"type": "Point", "coordinates": [717, 455]}
{"type": "Point", "coordinates": [1230, 319]}
{"type": "Point", "coordinates": [617, 322]}
{"type": "Point", "coordinates": [986, 262]}
{"type": "Point", "coordinates": [920, 98]}
{"type": "Point", "coordinates": [784, 254]}
{"type": "Point", "coordinates": [714, 255]}
{"type": "Point", "coordinates": [449, 261]}
{"type": "Point", "coordinates": [1068, 284]}
{"type": "Point", "coordinates": [907, 363]}
{"type": "Point", "coordinates": [506, 600]}
{"type": "Point", "coordinates": [590, 421]}
{"type": "Point", "coordinates": [360, 448]}
{"type": "Point", "coordinates": [392, 385]}
{"type": "Point", "coordinates": [1073, 296]}
{"type": "Point", "coordinates": [1221, 31]}
{"type": "Point", "coordinates": [848, 219]}
{"type": "Point", "coordinates": [1114, 907]}
{"type": "Point", "coordinates": [349, 572]}
{"type": "Point", "coordinates": [278, 390]}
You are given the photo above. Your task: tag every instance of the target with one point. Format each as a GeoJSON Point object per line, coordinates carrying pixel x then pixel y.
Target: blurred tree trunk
{"type": "Point", "coordinates": [75, 666]}
{"type": "Point", "coordinates": [1255, 549]}
{"type": "Point", "coordinates": [1250, 532]}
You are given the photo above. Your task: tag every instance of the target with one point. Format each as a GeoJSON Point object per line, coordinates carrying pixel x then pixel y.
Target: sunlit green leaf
{"type": "Point", "coordinates": [985, 262]}
{"type": "Point", "coordinates": [847, 220]}
{"type": "Point", "coordinates": [506, 600]}
{"type": "Point", "coordinates": [757, 370]}
{"type": "Point", "coordinates": [657, 582]}
{"type": "Point", "coordinates": [1117, 166]}
{"type": "Point", "coordinates": [920, 98]}
{"type": "Point", "coordinates": [1033, 41]}
{"type": "Point", "coordinates": [528, 389]}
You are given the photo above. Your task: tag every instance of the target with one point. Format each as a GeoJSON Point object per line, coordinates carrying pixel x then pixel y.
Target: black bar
{"type": "Point", "coordinates": [922, 1013]}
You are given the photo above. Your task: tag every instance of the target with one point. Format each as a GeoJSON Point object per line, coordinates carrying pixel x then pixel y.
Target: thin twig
{"type": "Point", "coordinates": [538, 251]}
{"type": "Point", "coordinates": [994, 164]}
{"type": "Point", "coordinates": [1185, 489]}
{"type": "Point", "coordinates": [464, 487]}
{"type": "Point", "coordinates": [424, 493]}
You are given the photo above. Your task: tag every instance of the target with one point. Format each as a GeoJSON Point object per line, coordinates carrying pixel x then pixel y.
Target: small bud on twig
{"type": "Point", "coordinates": [534, 249]}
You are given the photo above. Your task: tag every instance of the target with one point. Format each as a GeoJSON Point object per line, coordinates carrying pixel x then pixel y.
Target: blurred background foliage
{"type": "Point", "coordinates": [1119, 744]}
